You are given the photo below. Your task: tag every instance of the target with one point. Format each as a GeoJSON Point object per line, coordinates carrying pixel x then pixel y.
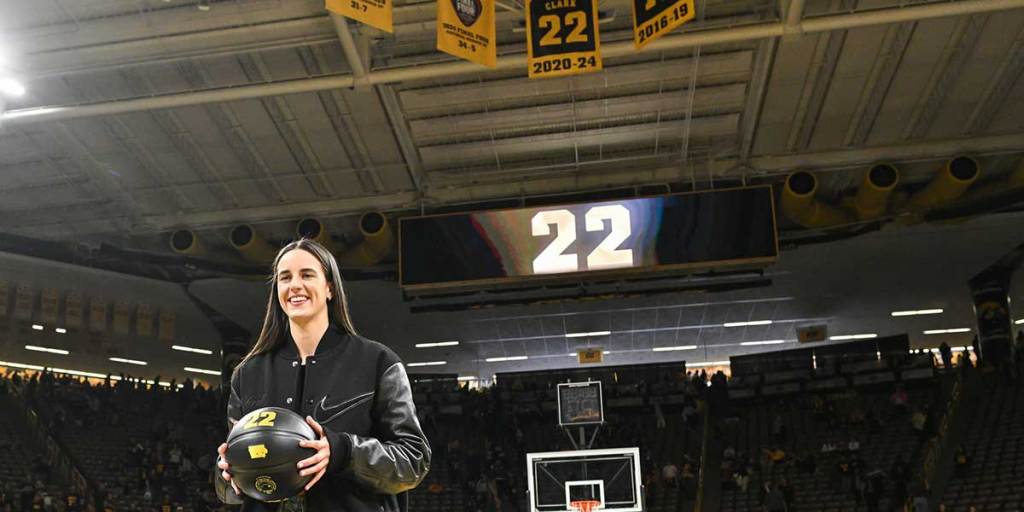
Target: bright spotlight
{"type": "Point", "coordinates": [11, 87]}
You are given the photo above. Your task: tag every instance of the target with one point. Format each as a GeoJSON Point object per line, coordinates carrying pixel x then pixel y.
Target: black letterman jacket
{"type": "Point", "coordinates": [358, 391]}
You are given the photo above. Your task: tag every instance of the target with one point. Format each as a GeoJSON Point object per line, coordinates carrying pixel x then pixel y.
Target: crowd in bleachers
{"type": "Point", "coordinates": [852, 447]}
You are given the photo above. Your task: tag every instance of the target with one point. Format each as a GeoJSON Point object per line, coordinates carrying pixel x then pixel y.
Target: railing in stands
{"type": "Point", "coordinates": [939, 449]}
{"type": "Point", "coordinates": [56, 456]}
{"type": "Point", "coordinates": [698, 503]}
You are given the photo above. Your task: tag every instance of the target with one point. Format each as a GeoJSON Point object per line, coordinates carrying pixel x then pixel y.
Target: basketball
{"type": "Point", "coordinates": [263, 451]}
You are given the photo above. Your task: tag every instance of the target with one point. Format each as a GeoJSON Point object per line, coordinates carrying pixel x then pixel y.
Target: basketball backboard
{"type": "Point", "coordinates": [611, 476]}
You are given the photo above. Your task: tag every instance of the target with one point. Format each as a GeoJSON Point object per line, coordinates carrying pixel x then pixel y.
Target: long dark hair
{"type": "Point", "coordinates": [275, 323]}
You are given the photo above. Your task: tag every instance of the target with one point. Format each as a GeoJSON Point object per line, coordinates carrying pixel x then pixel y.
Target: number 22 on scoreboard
{"type": "Point", "coordinates": [606, 255]}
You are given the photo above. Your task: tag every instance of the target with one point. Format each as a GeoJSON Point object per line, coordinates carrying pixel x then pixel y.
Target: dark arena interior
{"type": "Point", "coordinates": [766, 257]}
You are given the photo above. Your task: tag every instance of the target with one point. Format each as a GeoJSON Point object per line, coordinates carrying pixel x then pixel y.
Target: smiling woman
{"type": "Point", "coordinates": [353, 392]}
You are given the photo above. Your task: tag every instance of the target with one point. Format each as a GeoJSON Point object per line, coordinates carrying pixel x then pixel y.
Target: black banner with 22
{"type": "Point", "coordinates": [562, 37]}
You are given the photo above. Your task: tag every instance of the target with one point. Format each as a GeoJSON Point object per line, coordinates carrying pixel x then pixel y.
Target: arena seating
{"type": "Point", "coordinates": [993, 478]}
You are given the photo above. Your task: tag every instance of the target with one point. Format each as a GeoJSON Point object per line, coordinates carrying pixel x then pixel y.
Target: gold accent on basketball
{"type": "Point", "coordinates": [266, 485]}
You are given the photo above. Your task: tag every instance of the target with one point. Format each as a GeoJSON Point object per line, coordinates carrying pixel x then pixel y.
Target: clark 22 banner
{"type": "Point", "coordinates": [562, 37]}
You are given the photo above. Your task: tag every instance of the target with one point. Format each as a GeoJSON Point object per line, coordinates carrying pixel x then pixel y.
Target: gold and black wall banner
{"type": "Point", "coordinates": [375, 13]}
{"type": "Point", "coordinates": [655, 18]}
{"type": "Point", "coordinates": [562, 37]}
{"type": "Point", "coordinates": [465, 29]}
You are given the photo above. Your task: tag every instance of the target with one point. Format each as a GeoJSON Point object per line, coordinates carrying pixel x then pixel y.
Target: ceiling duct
{"type": "Point", "coordinates": [315, 230]}
{"type": "Point", "coordinates": [378, 241]}
{"type": "Point", "coordinates": [872, 199]}
{"type": "Point", "coordinates": [185, 241]}
{"type": "Point", "coordinates": [800, 205]}
{"type": "Point", "coordinates": [949, 184]}
{"type": "Point", "coordinates": [250, 244]}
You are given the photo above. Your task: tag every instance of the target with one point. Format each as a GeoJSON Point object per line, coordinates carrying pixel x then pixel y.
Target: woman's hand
{"type": "Point", "coordinates": [317, 464]}
{"type": "Point", "coordinates": [223, 465]}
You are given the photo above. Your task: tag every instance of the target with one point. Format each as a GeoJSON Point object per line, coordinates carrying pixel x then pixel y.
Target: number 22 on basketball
{"type": "Point", "coordinates": [263, 419]}
{"type": "Point", "coordinates": [606, 255]}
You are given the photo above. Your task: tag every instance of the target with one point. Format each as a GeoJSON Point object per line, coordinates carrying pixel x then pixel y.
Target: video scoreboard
{"type": "Point", "coordinates": [584, 241]}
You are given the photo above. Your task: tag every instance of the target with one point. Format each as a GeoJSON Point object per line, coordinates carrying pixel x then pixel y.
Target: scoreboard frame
{"type": "Point", "coordinates": [642, 272]}
{"type": "Point", "coordinates": [600, 401]}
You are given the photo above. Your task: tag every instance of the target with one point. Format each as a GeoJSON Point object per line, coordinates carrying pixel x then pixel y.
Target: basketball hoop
{"type": "Point", "coordinates": [585, 505]}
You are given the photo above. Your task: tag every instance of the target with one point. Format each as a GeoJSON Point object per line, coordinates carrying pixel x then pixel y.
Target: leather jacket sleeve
{"type": "Point", "coordinates": [397, 459]}
{"type": "Point", "coordinates": [224, 491]}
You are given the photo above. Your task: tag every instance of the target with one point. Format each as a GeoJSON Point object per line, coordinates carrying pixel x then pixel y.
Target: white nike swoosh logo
{"type": "Point", "coordinates": [344, 406]}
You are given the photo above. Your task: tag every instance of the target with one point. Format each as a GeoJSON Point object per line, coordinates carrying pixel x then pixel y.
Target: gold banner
{"type": "Point", "coordinates": [5, 303]}
{"type": "Point", "coordinates": [562, 37]}
{"type": "Point", "coordinates": [144, 320]}
{"type": "Point", "coordinates": [122, 318]}
{"type": "Point", "coordinates": [97, 315]}
{"type": "Point", "coordinates": [73, 310]}
{"type": "Point", "coordinates": [166, 326]}
{"type": "Point", "coordinates": [465, 29]}
{"type": "Point", "coordinates": [24, 302]}
{"type": "Point", "coordinates": [48, 306]}
{"type": "Point", "coordinates": [375, 13]}
{"type": "Point", "coordinates": [655, 18]}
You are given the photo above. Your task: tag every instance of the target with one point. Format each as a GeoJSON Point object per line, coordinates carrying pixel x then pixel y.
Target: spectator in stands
{"type": "Point", "coordinates": [670, 474]}
{"type": "Point", "coordinates": [689, 480]}
{"type": "Point", "coordinates": [778, 427]}
{"type": "Point", "coordinates": [947, 355]}
{"type": "Point", "coordinates": [962, 461]}
{"type": "Point", "coordinates": [920, 501]}
{"type": "Point", "coordinates": [772, 499]}
{"type": "Point", "coordinates": [917, 421]}
{"type": "Point", "coordinates": [899, 400]}
{"type": "Point", "coordinates": [742, 477]}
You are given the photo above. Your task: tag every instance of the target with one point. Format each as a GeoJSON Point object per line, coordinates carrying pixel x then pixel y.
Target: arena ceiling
{"type": "Point", "coordinates": [143, 117]}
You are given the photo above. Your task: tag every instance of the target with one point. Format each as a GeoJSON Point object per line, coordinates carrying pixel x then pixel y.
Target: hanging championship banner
{"type": "Point", "coordinates": [48, 306]}
{"type": "Point", "coordinates": [562, 37]}
{"type": "Point", "coordinates": [166, 329]}
{"type": "Point", "coordinates": [4, 302]}
{"type": "Point", "coordinates": [144, 320]}
{"type": "Point", "coordinates": [97, 315]}
{"type": "Point", "coordinates": [465, 29]}
{"type": "Point", "coordinates": [122, 317]}
{"type": "Point", "coordinates": [24, 303]}
{"type": "Point", "coordinates": [655, 18]}
{"type": "Point", "coordinates": [375, 13]}
{"type": "Point", "coordinates": [73, 310]}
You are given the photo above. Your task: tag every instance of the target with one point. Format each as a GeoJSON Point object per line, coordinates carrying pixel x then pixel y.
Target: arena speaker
{"type": "Point", "coordinates": [263, 451]}
{"type": "Point", "coordinates": [950, 183]}
{"type": "Point", "coordinates": [872, 199]}
{"type": "Point", "coordinates": [248, 242]}
{"type": "Point", "coordinates": [315, 230]}
{"type": "Point", "coordinates": [378, 241]}
{"type": "Point", "coordinates": [185, 241]}
{"type": "Point", "coordinates": [800, 205]}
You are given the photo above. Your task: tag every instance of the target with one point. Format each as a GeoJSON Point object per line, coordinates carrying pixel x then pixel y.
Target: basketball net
{"type": "Point", "coordinates": [585, 505]}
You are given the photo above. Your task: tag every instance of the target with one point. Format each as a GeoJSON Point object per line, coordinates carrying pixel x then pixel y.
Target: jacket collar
{"type": "Point", "coordinates": [330, 342]}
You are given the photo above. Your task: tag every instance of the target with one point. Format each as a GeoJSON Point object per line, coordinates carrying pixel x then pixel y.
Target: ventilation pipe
{"type": "Point", "coordinates": [378, 241]}
{"type": "Point", "coordinates": [799, 204]}
{"type": "Point", "coordinates": [872, 199]}
{"type": "Point", "coordinates": [185, 241]}
{"type": "Point", "coordinates": [250, 244]}
{"type": "Point", "coordinates": [951, 182]}
{"type": "Point", "coordinates": [315, 230]}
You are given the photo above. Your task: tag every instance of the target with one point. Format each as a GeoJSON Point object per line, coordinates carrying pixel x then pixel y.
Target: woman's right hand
{"type": "Point", "coordinates": [222, 463]}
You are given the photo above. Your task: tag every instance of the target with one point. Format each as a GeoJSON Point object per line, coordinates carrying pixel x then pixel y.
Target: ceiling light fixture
{"type": "Point", "coordinates": [914, 312]}
{"type": "Point", "coordinates": [37, 327]}
{"type": "Point", "coordinates": [586, 334]}
{"type": "Point", "coordinates": [37, 348]}
{"type": "Point", "coordinates": [200, 370]}
{"type": "Point", "coordinates": [670, 349]}
{"type": "Point", "coordinates": [853, 337]}
{"type": "Point", "coordinates": [708, 363]}
{"type": "Point", "coordinates": [745, 324]}
{"type": "Point", "coordinates": [61, 330]}
{"type": "Point", "coordinates": [503, 359]}
{"type": "Point", "coordinates": [466, 378]}
{"type": "Point", "coordinates": [438, 344]}
{"type": "Point", "coordinates": [129, 361]}
{"type": "Point", "coordinates": [1018, 322]}
{"type": "Point", "coordinates": [191, 349]}
{"type": "Point", "coordinates": [11, 87]}
{"type": "Point", "coordinates": [765, 342]}
{"type": "Point", "coordinates": [428, 363]}
{"type": "Point", "coordinates": [947, 331]}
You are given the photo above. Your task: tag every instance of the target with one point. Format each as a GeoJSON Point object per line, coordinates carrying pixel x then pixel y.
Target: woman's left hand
{"type": "Point", "coordinates": [317, 464]}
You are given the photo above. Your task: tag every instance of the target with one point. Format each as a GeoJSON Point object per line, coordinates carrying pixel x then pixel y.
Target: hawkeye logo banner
{"type": "Point", "coordinates": [655, 18]}
{"type": "Point", "coordinates": [465, 29]}
{"type": "Point", "coordinates": [562, 37]}
{"type": "Point", "coordinates": [375, 13]}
